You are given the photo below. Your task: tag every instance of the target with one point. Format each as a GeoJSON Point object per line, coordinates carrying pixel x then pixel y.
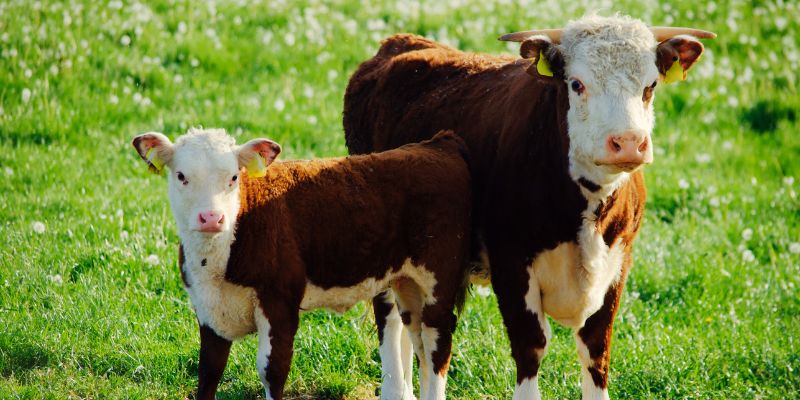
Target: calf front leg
{"type": "Point", "coordinates": [214, 351]}
{"type": "Point", "coordinates": [277, 325]}
{"type": "Point", "coordinates": [395, 349]}
{"type": "Point", "coordinates": [594, 343]}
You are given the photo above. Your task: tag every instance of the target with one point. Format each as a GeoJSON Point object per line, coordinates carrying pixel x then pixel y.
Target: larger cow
{"type": "Point", "coordinates": [558, 139]}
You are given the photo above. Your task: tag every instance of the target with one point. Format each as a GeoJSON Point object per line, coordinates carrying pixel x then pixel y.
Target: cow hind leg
{"type": "Point", "coordinates": [394, 350]}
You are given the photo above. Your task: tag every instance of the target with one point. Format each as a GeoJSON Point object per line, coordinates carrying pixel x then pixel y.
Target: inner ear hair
{"type": "Point", "coordinates": [683, 48]}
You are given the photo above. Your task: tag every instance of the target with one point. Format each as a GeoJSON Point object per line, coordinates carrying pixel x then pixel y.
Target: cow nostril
{"type": "Point", "coordinates": [202, 220]}
{"type": "Point", "coordinates": [615, 145]}
{"type": "Point", "coordinates": [643, 146]}
{"type": "Point", "coordinates": [221, 219]}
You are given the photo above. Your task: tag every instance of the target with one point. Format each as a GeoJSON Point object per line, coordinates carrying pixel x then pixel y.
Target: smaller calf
{"type": "Point", "coordinates": [259, 247]}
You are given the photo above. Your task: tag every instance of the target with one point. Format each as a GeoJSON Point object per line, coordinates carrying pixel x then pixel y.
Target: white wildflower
{"type": "Point", "coordinates": [289, 39]}
{"type": "Point", "coordinates": [57, 279]}
{"type": "Point", "coordinates": [152, 259]}
{"type": "Point", "coordinates": [28, 73]}
{"type": "Point", "coordinates": [181, 27]}
{"type": "Point", "coordinates": [178, 78]}
{"type": "Point", "coordinates": [753, 180]}
{"type": "Point", "coordinates": [54, 70]}
{"type": "Point", "coordinates": [38, 227]}
{"type": "Point", "coordinates": [794, 248]}
{"type": "Point", "coordinates": [748, 256]}
{"type": "Point", "coordinates": [113, 99]}
{"type": "Point", "coordinates": [125, 40]}
{"type": "Point", "coordinates": [727, 145]}
{"type": "Point", "coordinates": [788, 180]}
{"type": "Point", "coordinates": [703, 158]}
{"type": "Point", "coordinates": [683, 184]}
{"type": "Point", "coordinates": [26, 95]}
{"type": "Point", "coordinates": [137, 97]}
{"type": "Point", "coordinates": [194, 62]}
{"type": "Point", "coordinates": [747, 234]}
{"type": "Point", "coordinates": [9, 171]}
{"type": "Point", "coordinates": [312, 119]}
{"type": "Point", "coordinates": [279, 105]}
{"type": "Point", "coordinates": [124, 235]}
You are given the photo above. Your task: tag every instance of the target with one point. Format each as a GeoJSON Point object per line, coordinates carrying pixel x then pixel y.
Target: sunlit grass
{"type": "Point", "coordinates": [91, 304]}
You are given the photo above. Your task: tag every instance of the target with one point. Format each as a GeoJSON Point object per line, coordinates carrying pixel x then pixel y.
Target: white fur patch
{"type": "Point", "coordinates": [528, 389]}
{"type": "Point", "coordinates": [574, 277]}
{"type": "Point", "coordinates": [588, 389]}
{"type": "Point", "coordinates": [435, 383]}
{"type": "Point", "coordinates": [340, 299]}
{"type": "Point", "coordinates": [393, 363]}
{"type": "Point", "coordinates": [264, 349]}
{"type": "Point", "coordinates": [223, 306]}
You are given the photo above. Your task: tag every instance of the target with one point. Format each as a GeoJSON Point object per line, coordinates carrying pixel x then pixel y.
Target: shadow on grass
{"type": "Point", "coordinates": [18, 357]}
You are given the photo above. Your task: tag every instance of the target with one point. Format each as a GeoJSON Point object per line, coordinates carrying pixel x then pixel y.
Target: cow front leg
{"type": "Point", "coordinates": [276, 329]}
{"type": "Point", "coordinates": [214, 351]}
{"type": "Point", "coordinates": [594, 344]}
{"type": "Point", "coordinates": [520, 302]}
{"type": "Point", "coordinates": [395, 349]}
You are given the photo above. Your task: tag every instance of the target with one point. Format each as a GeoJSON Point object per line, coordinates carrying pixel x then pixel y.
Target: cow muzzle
{"type": "Point", "coordinates": [627, 151]}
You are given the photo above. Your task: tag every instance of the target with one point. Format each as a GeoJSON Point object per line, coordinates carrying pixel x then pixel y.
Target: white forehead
{"type": "Point", "coordinates": [608, 52]}
{"type": "Point", "coordinates": [205, 150]}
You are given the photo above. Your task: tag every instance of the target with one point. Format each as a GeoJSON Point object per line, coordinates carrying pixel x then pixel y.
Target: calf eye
{"type": "Point", "coordinates": [577, 86]}
{"type": "Point", "coordinates": [235, 177]}
{"type": "Point", "coordinates": [182, 178]}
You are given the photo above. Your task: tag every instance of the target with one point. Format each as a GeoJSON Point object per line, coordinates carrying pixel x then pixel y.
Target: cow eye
{"type": "Point", "coordinates": [235, 177]}
{"type": "Point", "coordinates": [577, 86]}
{"type": "Point", "coordinates": [653, 86]}
{"type": "Point", "coordinates": [182, 178]}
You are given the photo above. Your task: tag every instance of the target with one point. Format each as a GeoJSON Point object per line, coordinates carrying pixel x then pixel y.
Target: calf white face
{"type": "Point", "coordinates": [611, 67]}
{"type": "Point", "coordinates": [204, 175]}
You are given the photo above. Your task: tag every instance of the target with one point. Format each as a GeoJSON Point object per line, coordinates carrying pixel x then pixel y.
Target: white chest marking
{"type": "Point", "coordinates": [340, 299]}
{"type": "Point", "coordinates": [574, 277]}
{"type": "Point", "coordinates": [225, 307]}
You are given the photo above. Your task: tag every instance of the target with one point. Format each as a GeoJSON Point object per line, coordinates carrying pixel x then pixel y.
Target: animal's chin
{"type": "Point", "coordinates": [619, 168]}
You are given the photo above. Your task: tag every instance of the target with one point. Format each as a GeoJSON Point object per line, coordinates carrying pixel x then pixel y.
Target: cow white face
{"type": "Point", "coordinates": [204, 168]}
{"type": "Point", "coordinates": [611, 67]}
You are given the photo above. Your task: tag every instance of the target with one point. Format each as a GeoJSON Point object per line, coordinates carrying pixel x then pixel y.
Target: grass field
{"type": "Point", "coordinates": [91, 304]}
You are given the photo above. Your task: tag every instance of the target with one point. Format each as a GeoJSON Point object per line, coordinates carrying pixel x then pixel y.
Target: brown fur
{"type": "Point", "coordinates": [515, 126]}
{"type": "Point", "coordinates": [338, 222]}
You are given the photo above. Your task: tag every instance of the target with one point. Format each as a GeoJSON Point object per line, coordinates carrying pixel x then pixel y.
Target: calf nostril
{"type": "Point", "coordinates": [643, 146]}
{"type": "Point", "coordinates": [221, 219]}
{"type": "Point", "coordinates": [615, 146]}
{"type": "Point", "coordinates": [202, 220]}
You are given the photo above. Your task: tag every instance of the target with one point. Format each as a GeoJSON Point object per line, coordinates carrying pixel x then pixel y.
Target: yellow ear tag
{"type": "Point", "coordinates": [542, 66]}
{"type": "Point", "coordinates": [675, 73]}
{"type": "Point", "coordinates": [152, 157]}
{"type": "Point", "coordinates": [257, 168]}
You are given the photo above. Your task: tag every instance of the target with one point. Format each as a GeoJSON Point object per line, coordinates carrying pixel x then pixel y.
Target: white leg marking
{"type": "Point", "coordinates": [264, 349]}
{"type": "Point", "coordinates": [436, 383]}
{"type": "Point", "coordinates": [528, 389]}
{"type": "Point", "coordinates": [407, 357]}
{"type": "Point", "coordinates": [394, 384]}
{"type": "Point", "coordinates": [416, 341]}
{"type": "Point", "coordinates": [589, 390]}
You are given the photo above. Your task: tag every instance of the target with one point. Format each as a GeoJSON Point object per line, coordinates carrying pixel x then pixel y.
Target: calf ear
{"type": "Point", "coordinates": [675, 56]}
{"type": "Point", "coordinates": [155, 149]}
{"type": "Point", "coordinates": [256, 155]}
{"type": "Point", "coordinates": [547, 58]}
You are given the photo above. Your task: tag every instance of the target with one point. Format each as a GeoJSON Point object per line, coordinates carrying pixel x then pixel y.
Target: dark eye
{"type": "Point", "coordinates": [577, 86]}
{"type": "Point", "coordinates": [182, 178]}
{"type": "Point", "coordinates": [235, 177]}
{"type": "Point", "coordinates": [653, 86]}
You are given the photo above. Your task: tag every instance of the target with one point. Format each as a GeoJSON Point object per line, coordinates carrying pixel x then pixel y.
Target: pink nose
{"type": "Point", "coordinates": [628, 150]}
{"type": "Point", "coordinates": [211, 221]}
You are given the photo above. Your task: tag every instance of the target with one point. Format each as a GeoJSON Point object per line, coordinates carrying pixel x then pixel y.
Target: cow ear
{"type": "Point", "coordinates": [676, 55]}
{"type": "Point", "coordinates": [547, 58]}
{"type": "Point", "coordinates": [155, 149]}
{"type": "Point", "coordinates": [256, 155]}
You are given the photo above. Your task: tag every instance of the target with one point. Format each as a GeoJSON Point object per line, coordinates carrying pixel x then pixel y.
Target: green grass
{"type": "Point", "coordinates": [712, 308]}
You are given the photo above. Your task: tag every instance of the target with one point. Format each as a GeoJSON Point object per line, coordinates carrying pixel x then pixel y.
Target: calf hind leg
{"type": "Point", "coordinates": [395, 349]}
